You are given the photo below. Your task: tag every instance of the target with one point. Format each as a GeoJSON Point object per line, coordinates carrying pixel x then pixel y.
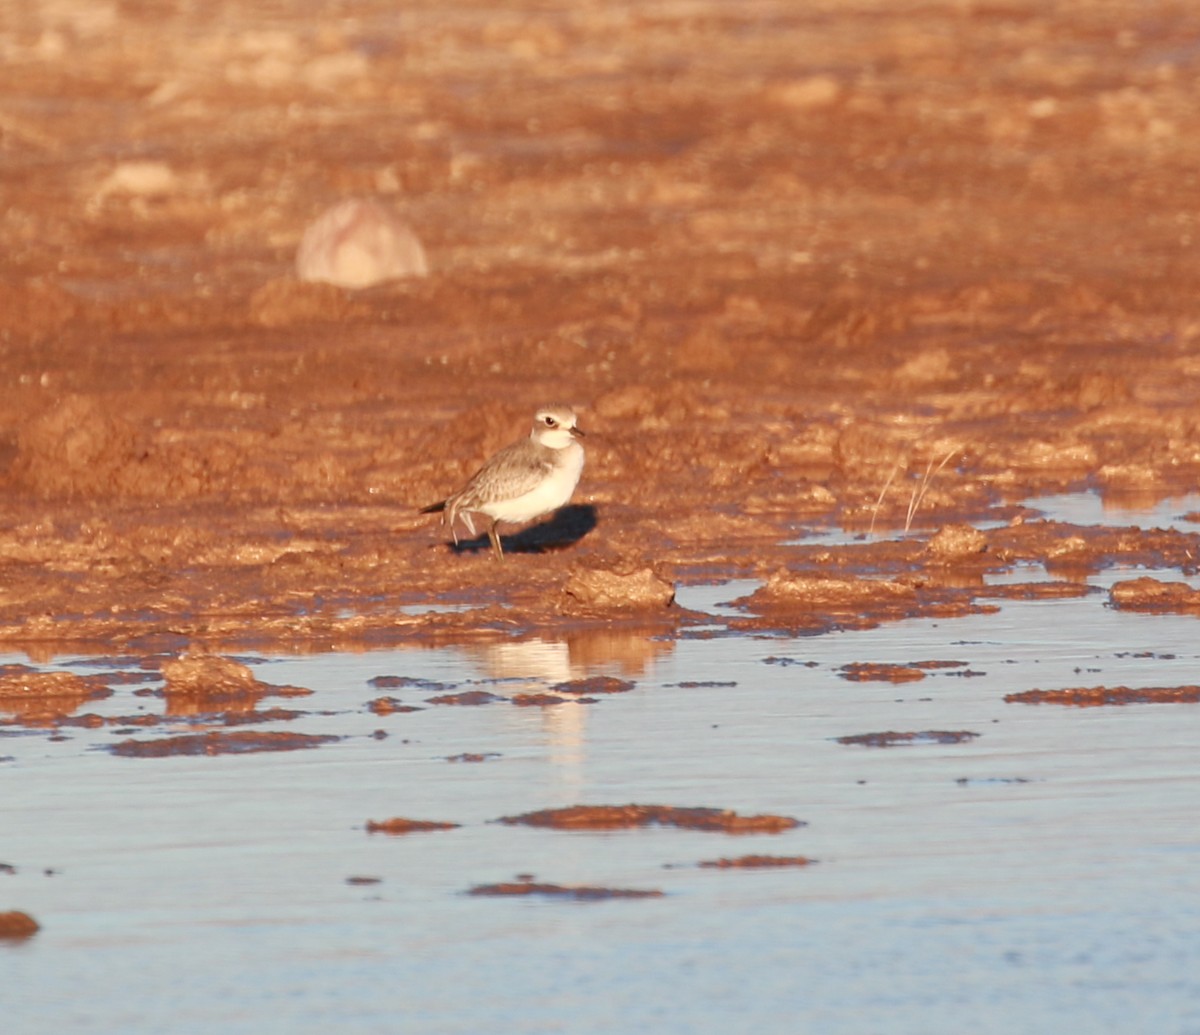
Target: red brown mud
{"type": "Point", "coordinates": [892, 739]}
{"type": "Point", "coordinates": [1037, 591]}
{"type": "Point", "coordinates": [595, 685]}
{"type": "Point", "coordinates": [788, 259]}
{"type": "Point", "coordinates": [756, 862]}
{"type": "Point", "coordinates": [473, 756]}
{"type": "Point", "coordinates": [824, 588]}
{"type": "Point", "coordinates": [579, 892]}
{"type": "Point", "coordinates": [468, 698]}
{"type": "Point", "coordinates": [400, 682]}
{"type": "Point", "coordinates": [246, 716]}
{"type": "Point", "coordinates": [600, 590]}
{"type": "Point", "coordinates": [391, 706]}
{"type": "Point", "coordinates": [1096, 696]}
{"type": "Point", "coordinates": [17, 926]}
{"type": "Point", "coordinates": [616, 817]}
{"type": "Point", "coordinates": [399, 825]}
{"type": "Point", "coordinates": [956, 544]}
{"type": "Point", "coordinates": [45, 698]}
{"type": "Point", "coordinates": [544, 700]}
{"type": "Point", "coordinates": [874, 671]}
{"type": "Point", "coordinates": [1155, 595]}
{"type": "Point", "coordinates": [198, 683]}
{"type": "Point", "coordinates": [217, 742]}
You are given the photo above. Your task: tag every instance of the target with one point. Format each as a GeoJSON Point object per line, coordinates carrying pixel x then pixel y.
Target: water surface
{"type": "Point", "coordinates": [1040, 877]}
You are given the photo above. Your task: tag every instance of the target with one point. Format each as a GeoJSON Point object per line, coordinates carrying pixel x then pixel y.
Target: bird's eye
{"type": "Point", "coordinates": [550, 422]}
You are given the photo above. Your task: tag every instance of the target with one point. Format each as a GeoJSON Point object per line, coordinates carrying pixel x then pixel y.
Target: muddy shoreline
{"type": "Point", "coordinates": [798, 270]}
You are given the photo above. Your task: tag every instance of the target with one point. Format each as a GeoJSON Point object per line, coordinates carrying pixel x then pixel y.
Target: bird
{"type": "Point", "coordinates": [525, 480]}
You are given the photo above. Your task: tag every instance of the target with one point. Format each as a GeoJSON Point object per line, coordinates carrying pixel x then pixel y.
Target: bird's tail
{"type": "Point", "coordinates": [434, 508]}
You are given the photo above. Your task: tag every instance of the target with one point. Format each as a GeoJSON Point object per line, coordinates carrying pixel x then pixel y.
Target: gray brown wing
{"type": "Point", "coordinates": [512, 472]}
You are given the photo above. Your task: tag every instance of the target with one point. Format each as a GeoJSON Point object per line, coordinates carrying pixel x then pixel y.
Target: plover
{"type": "Point", "coordinates": [523, 481]}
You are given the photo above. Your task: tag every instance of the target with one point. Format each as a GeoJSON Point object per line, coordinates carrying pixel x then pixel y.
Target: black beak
{"type": "Point", "coordinates": [578, 432]}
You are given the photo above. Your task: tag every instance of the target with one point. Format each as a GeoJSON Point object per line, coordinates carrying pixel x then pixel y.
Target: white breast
{"type": "Point", "coordinates": [551, 493]}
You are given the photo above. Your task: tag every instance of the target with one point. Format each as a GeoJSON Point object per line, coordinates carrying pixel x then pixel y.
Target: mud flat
{"type": "Point", "coordinates": [781, 258]}
{"type": "Point", "coordinates": [839, 289]}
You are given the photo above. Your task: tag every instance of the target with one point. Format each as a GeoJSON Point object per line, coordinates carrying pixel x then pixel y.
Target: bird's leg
{"type": "Point", "coordinates": [494, 536]}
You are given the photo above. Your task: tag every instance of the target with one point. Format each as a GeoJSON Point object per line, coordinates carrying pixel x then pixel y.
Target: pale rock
{"type": "Point", "coordinates": [358, 243]}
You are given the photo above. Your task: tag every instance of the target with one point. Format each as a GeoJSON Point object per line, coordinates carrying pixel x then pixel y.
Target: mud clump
{"type": "Point", "coordinates": [1098, 696]}
{"type": "Point", "coordinates": [878, 672]}
{"type": "Point", "coordinates": [756, 862]}
{"type": "Point", "coordinates": [198, 683]}
{"type": "Point", "coordinates": [391, 706]}
{"type": "Point", "coordinates": [603, 590]}
{"type": "Point", "coordinates": [1038, 591]}
{"type": "Point", "coordinates": [398, 825]}
{"type": "Point", "coordinates": [595, 685]}
{"type": "Point", "coordinates": [1149, 594]}
{"type": "Point", "coordinates": [45, 697]}
{"type": "Point", "coordinates": [579, 892]}
{"type": "Point", "coordinates": [821, 602]}
{"type": "Point", "coordinates": [216, 742]}
{"type": "Point", "coordinates": [17, 926]}
{"type": "Point", "coordinates": [544, 700]}
{"type": "Point", "coordinates": [618, 817]}
{"type": "Point", "coordinates": [214, 676]}
{"type": "Point", "coordinates": [401, 682]}
{"type": "Point", "coordinates": [468, 698]}
{"type": "Point", "coordinates": [956, 543]}
{"type": "Point", "coordinates": [828, 593]}
{"type": "Point", "coordinates": [894, 739]}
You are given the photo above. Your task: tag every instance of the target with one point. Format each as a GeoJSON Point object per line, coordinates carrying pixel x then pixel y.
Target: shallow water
{"type": "Point", "coordinates": [1090, 508]}
{"type": "Point", "coordinates": [1040, 877]}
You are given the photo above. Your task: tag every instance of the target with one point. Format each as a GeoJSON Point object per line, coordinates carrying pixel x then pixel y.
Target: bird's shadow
{"type": "Point", "coordinates": [565, 529]}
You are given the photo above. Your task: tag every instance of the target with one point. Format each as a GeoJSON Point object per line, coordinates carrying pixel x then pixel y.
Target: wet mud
{"type": "Point", "coordinates": [17, 926]}
{"type": "Point", "coordinates": [1155, 595]}
{"type": "Point", "coordinates": [785, 292]}
{"type": "Point", "coordinates": [616, 817]}
{"type": "Point", "coordinates": [578, 892]}
{"type": "Point", "coordinates": [399, 825]}
{"type": "Point", "coordinates": [33, 697]}
{"type": "Point", "coordinates": [1097, 696]}
{"type": "Point", "coordinates": [756, 862]}
{"type": "Point", "coordinates": [595, 685]}
{"type": "Point", "coordinates": [468, 698]}
{"type": "Point", "coordinates": [865, 672]}
{"type": "Point", "coordinates": [218, 742]}
{"type": "Point", "coordinates": [544, 700]}
{"type": "Point", "coordinates": [891, 738]}
{"type": "Point", "coordinates": [391, 706]}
